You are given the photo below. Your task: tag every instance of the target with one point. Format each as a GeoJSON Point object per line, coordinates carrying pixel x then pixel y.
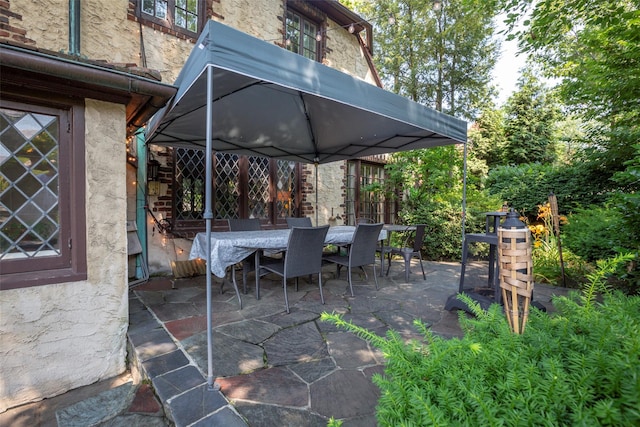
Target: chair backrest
{"type": "Point", "coordinates": [418, 240]}
{"type": "Point", "coordinates": [244, 224]}
{"type": "Point", "coordinates": [304, 250]}
{"type": "Point", "coordinates": [305, 221]}
{"type": "Point", "coordinates": [363, 246]}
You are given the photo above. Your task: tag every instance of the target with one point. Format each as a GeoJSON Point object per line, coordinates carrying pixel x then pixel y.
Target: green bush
{"type": "Point", "coordinates": [442, 216]}
{"type": "Point", "coordinates": [597, 233]}
{"type": "Point", "coordinates": [524, 187]}
{"type": "Point", "coordinates": [580, 366]}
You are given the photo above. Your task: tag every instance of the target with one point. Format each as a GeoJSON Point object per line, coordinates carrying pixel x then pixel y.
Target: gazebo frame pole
{"type": "Point", "coordinates": [208, 217]}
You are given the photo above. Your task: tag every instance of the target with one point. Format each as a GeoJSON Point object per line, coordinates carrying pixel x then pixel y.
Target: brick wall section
{"type": "Point", "coordinates": [9, 32]}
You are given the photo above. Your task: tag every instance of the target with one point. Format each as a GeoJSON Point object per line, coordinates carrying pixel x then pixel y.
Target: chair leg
{"type": "Point", "coordinates": [320, 284]}
{"type": "Point", "coordinates": [235, 286]}
{"type": "Point", "coordinates": [407, 267]}
{"type": "Point", "coordinates": [375, 276]}
{"type": "Point", "coordinates": [424, 276]}
{"type": "Point", "coordinates": [286, 299]}
{"type": "Point", "coordinates": [349, 277]}
{"type": "Point", "coordinates": [389, 264]}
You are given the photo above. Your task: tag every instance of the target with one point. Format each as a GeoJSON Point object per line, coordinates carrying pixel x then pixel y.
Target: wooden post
{"type": "Point", "coordinates": [553, 202]}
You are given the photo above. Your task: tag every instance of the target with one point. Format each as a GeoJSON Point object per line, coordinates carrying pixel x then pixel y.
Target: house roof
{"type": "Point", "coordinates": [24, 67]}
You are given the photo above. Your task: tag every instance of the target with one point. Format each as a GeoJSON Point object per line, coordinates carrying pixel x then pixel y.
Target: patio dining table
{"type": "Point", "coordinates": [231, 247]}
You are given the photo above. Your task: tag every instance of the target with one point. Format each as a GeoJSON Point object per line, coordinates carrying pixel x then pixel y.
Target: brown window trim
{"type": "Point", "coordinates": [166, 25]}
{"type": "Point", "coordinates": [21, 273]}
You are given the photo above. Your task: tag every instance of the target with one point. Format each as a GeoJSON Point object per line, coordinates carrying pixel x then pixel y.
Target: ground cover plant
{"type": "Point", "coordinates": [578, 366]}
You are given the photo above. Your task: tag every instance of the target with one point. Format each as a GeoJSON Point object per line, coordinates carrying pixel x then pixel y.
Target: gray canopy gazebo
{"type": "Point", "coordinates": [241, 95]}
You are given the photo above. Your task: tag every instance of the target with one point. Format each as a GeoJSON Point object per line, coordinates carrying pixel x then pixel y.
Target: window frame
{"type": "Point", "coordinates": [71, 265]}
{"type": "Point", "coordinates": [272, 219]}
{"type": "Point", "coordinates": [168, 24]}
{"type": "Point", "coordinates": [311, 16]}
{"type": "Point", "coordinates": [354, 188]}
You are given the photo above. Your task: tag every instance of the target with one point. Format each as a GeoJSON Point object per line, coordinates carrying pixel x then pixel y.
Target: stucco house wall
{"type": "Point", "coordinates": [62, 336]}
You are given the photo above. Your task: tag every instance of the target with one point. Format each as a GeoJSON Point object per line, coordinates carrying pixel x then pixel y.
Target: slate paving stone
{"type": "Point", "coordinates": [269, 416]}
{"type": "Point", "coordinates": [165, 363]}
{"type": "Point", "coordinates": [176, 382]}
{"type": "Point", "coordinates": [295, 317]}
{"type": "Point", "coordinates": [364, 320]}
{"type": "Point", "coordinates": [152, 343]}
{"type": "Point", "coordinates": [294, 345]}
{"type": "Point", "coordinates": [195, 404]}
{"type": "Point", "coordinates": [97, 409]}
{"type": "Point", "coordinates": [134, 420]}
{"type": "Point", "coordinates": [276, 386]}
{"type": "Point", "coordinates": [150, 298]}
{"type": "Point", "coordinates": [145, 402]}
{"type": "Point", "coordinates": [344, 394]}
{"type": "Point", "coordinates": [185, 295]}
{"type": "Point", "coordinates": [231, 357]}
{"type": "Point", "coordinates": [252, 331]}
{"type": "Point", "coordinates": [173, 311]}
{"type": "Point", "coordinates": [349, 351]}
{"type": "Point", "coordinates": [141, 322]}
{"type": "Point", "coordinates": [184, 328]}
{"type": "Point", "coordinates": [226, 417]}
{"type": "Point", "coordinates": [374, 304]}
{"type": "Point", "coordinates": [315, 369]}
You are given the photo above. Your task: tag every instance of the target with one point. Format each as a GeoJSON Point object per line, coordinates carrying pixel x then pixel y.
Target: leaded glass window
{"type": "Point", "coordinates": [29, 210]}
{"type": "Point", "coordinates": [244, 187]}
{"type": "Point", "coordinates": [42, 193]}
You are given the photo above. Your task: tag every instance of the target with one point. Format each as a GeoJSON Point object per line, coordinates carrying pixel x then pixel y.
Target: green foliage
{"type": "Point", "coordinates": [578, 367]}
{"type": "Point", "coordinates": [547, 268]}
{"type": "Point", "coordinates": [524, 187]}
{"type": "Point", "coordinates": [432, 180]}
{"type": "Point", "coordinates": [531, 114]}
{"type": "Point", "coordinates": [598, 233]}
{"type": "Point", "coordinates": [440, 58]}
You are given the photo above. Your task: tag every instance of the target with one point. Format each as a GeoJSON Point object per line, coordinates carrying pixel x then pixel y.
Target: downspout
{"type": "Point", "coordinates": [74, 27]}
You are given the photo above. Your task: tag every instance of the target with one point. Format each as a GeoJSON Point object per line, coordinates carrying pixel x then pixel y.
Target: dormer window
{"type": "Point", "coordinates": [302, 35]}
{"type": "Point", "coordinates": [184, 17]}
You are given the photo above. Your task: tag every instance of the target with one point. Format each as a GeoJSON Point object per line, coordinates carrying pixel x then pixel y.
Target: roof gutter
{"type": "Point", "coordinates": [142, 96]}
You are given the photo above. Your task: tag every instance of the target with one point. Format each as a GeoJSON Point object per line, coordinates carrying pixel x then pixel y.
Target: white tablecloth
{"type": "Point", "coordinates": [231, 247]}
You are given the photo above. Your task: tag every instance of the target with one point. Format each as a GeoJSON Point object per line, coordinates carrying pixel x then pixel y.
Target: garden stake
{"type": "Point", "coordinates": [553, 202]}
{"type": "Point", "coordinates": [516, 275]}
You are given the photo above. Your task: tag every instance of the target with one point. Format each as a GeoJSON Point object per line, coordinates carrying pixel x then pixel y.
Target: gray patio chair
{"type": "Point", "coordinates": [304, 221]}
{"type": "Point", "coordinates": [361, 251]}
{"type": "Point", "coordinates": [408, 253]}
{"type": "Point", "coordinates": [303, 257]}
{"type": "Point", "coordinates": [248, 264]}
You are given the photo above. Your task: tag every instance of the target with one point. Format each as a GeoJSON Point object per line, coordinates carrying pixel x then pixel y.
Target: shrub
{"type": "Point", "coordinates": [525, 186]}
{"type": "Point", "coordinates": [577, 367]}
{"type": "Point", "coordinates": [597, 233]}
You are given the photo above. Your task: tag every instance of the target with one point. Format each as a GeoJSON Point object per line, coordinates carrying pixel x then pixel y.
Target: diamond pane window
{"type": "Point", "coordinates": [258, 190]}
{"type": "Point", "coordinates": [29, 209]}
{"type": "Point", "coordinates": [227, 192]}
{"type": "Point", "coordinates": [244, 187]}
{"type": "Point", "coordinates": [286, 189]}
{"type": "Point", "coordinates": [189, 192]}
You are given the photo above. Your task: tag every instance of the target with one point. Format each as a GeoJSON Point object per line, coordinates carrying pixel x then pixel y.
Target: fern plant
{"type": "Point", "coordinates": [579, 367]}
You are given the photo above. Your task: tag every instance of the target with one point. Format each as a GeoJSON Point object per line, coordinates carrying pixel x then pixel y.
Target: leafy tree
{"type": "Point", "coordinates": [441, 57]}
{"type": "Point", "coordinates": [593, 47]}
{"type": "Point", "coordinates": [487, 136]}
{"type": "Point", "coordinates": [530, 117]}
